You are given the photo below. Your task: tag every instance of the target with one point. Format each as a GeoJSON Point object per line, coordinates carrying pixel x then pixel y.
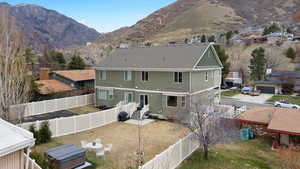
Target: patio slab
{"type": "Point", "coordinates": [137, 122]}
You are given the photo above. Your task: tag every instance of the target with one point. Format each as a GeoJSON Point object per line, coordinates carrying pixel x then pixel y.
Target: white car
{"type": "Point", "coordinates": [286, 105]}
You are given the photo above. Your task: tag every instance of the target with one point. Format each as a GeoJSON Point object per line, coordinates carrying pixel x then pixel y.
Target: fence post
{"type": "Point", "coordinates": [56, 126]}
{"type": "Point", "coordinates": [75, 130]}
{"type": "Point", "coordinates": [90, 123]}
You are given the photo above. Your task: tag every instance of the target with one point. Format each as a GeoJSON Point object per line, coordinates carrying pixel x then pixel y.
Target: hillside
{"type": "Point", "coordinates": [187, 18]}
{"type": "Point", "coordinates": [184, 18]}
{"type": "Point", "coordinates": [42, 27]}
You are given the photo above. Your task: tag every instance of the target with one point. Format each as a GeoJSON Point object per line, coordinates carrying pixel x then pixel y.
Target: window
{"type": "Point", "coordinates": [206, 76]}
{"type": "Point", "coordinates": [105, 94]}
{"type": "Point", "coordinates": [178, 77]}
{"type": "Point", "coordinates": [144, 100]}
{"type": "Point", "coordinates": [183, 101]}
{"type": "Point", "coordinates": [145, 76]}
{"type": "Point", "coordinates": [102, 75]}
{"type": "Point", "coordinates": [127, 76]}
{"type": "Point", "coordinates": [128, 97]}
{"type": "Point", "coordinates": [172, 101]}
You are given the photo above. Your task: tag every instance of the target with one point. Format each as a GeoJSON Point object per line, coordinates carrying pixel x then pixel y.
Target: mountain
{"type": "Point", "coordinates": [185, 18]}
{"type": "Point", "coordinates": [43, 27]}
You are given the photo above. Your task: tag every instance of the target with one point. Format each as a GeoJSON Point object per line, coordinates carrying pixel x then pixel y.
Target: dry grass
{"type": "Point", "coordinates": [156, 137]}
{"type": "Point", "coordinates": [84, 109]}
{"type": "Point", "coordinates": [253, 154]}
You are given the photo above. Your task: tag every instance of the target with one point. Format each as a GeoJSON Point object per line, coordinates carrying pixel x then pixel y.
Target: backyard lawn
{"type": "Point", "coordinates": [254, 154]}
{"type": "Point", "coordinates": [84, 109]}
{"type": "Point", "coordinates": [156, 137]}
{"type": "Point", "coordinates": [230, 93]}
{"type": "Point", "coordinates": [291, 99]}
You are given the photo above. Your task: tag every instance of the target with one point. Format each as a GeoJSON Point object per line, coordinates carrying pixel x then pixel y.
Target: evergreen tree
{"type": "Point", "coordinates": [212, 38]}
{"type": "Point", "coordinates": [224, 59]}
{"type": "Point", "coordinates": [258, 64]}
{"type": "Point", "coordinates": [290, 53]}
{"type": "Point", "coordinates": [44, 133]}
{"type": "Point", "coordinates": [76, 63]}
{"type": "Point", "coordinates": [271, 29]}
{"type": "Point", "coordinates": [203, 39]}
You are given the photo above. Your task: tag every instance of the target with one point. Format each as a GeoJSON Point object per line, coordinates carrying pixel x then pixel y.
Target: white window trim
{"type": "Point", "coordinates": [107, 94]}
{"type": "Point", "coordinates": [206, 76]}
{"type": "Point", "coordinates": [174, 73]}
{"type": "Point", "coordinates": [126, 93]}
{"type": "Point", "coordinates": [183, 97]}
{"type": "Point", "coordinates": [142, 77]}
{"type": "Point", "coordinates": [167, 101]}
{"type": "Point", "coordinates": [100, 75]}
{"type": "Point", "coordinates": [127, 75]}
{"type": "Point", "coordinates": [144, 95]}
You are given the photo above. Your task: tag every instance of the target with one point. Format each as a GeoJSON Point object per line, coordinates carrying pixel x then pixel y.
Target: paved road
{"type": "Point", "coordinates": [228, 101]}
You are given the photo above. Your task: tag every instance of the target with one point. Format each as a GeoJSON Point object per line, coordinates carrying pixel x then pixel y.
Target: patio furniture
{"type": "Point", "coordinates": [100, 152]}
{"type": "Point", "coordinates": [66, 156]}
{"type": "Point", "coordinates": [84, 144]}
{"type": "Point", "coordinates": [94, 146]}
{"type": "Point", "coordinates": [108, 148]}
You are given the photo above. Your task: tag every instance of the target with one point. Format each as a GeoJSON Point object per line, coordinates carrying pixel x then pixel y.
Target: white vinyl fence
{"type": "Point", "coordinates": [32, 164]}
{"type": "Point", "coordinates": [71, 125]}
{"type": "Point", "coordinates": [174, 155]}
{"type": "Point", "coordinates": [48, 106]}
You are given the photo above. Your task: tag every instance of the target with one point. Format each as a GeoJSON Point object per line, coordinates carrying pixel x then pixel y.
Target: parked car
{"type": "Point", "coordinates": [254, 93]}
{"type": "Point", "coordinates": [286, 105]}
{"type": "Point", "coordinates": [247, 89]}
{"type": "Point", "coordinates": [234, 88]}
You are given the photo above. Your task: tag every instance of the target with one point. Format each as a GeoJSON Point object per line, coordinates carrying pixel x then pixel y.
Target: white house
{"type": "Point", "coordinates": [13, 141]}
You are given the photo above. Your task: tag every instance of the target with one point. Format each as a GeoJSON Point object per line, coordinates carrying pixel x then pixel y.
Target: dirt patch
{"type": "Point", "coordinates": [85, 109]}
{"type": "Point", "coordinates": [156, 137]}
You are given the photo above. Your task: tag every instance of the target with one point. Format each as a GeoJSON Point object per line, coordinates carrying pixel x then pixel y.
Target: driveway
{"type": "Point", "coordinates": [261, 99]}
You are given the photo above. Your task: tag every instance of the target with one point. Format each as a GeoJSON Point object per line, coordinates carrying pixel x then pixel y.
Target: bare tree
{"type": "Point", "coordinates": [207, 125]}
{"type": "Point", "coordinates": [14, 81]}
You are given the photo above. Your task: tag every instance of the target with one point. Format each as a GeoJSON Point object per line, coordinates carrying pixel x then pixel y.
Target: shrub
{"type": "Point", "coordinates": [41, 160]}
{"type": "Point", "coordinates": [35, 133]}
{"type": "Point", "coordinates": [44, 133]}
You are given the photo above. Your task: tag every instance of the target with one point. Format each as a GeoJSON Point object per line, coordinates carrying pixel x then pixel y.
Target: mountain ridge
{"type": "Point", "coordinates": [41, 27]}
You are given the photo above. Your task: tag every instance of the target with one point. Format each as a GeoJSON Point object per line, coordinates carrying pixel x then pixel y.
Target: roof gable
{"type": "Point", "coordinates": [209, 58]}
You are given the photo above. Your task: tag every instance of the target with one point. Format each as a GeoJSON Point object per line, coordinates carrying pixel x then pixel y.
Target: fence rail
{"type": "Point", "coordinates": [71, 125]}
{"type": "Point", "coordinates": [48, 106]}
{"type": "Point", "coordinates": [174, 155]}
{"type": "Point", "coordinates": [32, 164]}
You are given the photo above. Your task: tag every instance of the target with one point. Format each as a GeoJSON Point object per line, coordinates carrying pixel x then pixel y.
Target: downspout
{"type": "Point", "coordinates": [27, 158]}
{"type": "Point", "coordinates": [190, 86]}
{"type": "Point", "coordinates": [220, 86]}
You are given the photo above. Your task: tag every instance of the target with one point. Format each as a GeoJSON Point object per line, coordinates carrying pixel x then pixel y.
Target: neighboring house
{"type": "Point", "coordinates": [64, 81]}
{"type": "Point", "coordinates": [276, 80]}
{"type": "Point", "coordinates": [234, 79]}
{"type": "Point", "coordinates": [167, 78]}
{"type": "Point", "coordinates": [13, 141]}
{"type": "Point", "coordinates": [281, 122]}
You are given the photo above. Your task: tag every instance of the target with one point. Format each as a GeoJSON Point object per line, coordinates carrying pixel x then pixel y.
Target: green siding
{"type": "Point", "coordinates": [158, 81]}
{"type": "Point", "coordinates": [209, 59]}
{"type": "Point", "coordinates": [199, 83]}
{"type": "Point", "coordinates": [162, 81]}
{"type": "Point", "coordinates": [115, 79]}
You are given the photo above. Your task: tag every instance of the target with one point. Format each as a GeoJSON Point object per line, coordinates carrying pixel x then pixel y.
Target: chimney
{"type": "Point", "coordinates": [44, 73]}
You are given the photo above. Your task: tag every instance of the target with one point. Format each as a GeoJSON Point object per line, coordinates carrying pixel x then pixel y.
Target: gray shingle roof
{"type": "Point", "coordinates": [169, 57]}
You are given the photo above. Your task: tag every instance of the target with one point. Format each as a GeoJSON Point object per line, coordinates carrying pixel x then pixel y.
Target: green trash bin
{"type": "Point", "coordinates": [251, 133]}
{"type": "Point", "coordinates": [244, 134]}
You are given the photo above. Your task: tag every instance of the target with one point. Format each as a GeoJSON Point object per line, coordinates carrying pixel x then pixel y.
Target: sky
{"type": "Point", "coordinates": [102, 15]}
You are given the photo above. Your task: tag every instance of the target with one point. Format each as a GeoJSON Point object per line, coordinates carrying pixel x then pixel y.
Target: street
{"type": "Point", "coordinates": [234, 102]}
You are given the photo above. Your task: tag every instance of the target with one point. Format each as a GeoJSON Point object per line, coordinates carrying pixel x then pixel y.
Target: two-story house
{"type": "Point", "coordinates": [166, 78]}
